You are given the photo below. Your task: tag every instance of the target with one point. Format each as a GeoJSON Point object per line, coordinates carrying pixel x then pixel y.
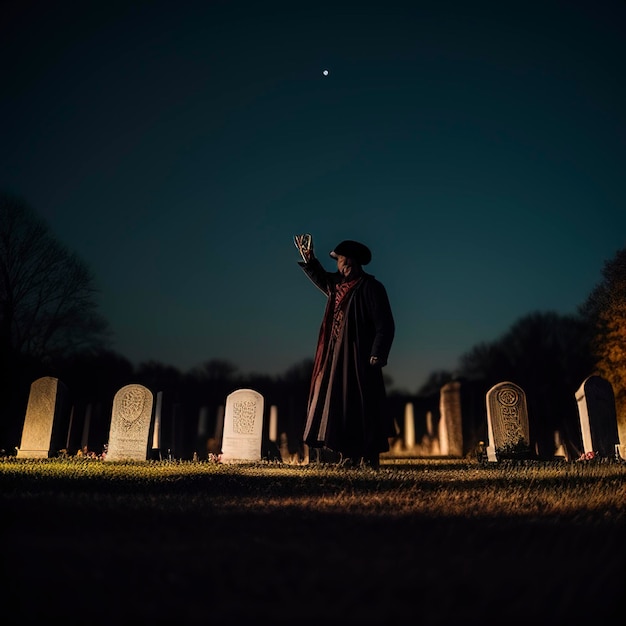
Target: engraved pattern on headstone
{"type": "Point", "coordinates": [243, 426]}
{"type": "Point", "coordinates": [131, 419]}
{"type": "Point", "coordinates": [244, 412]}
{"type": "Point", "coordinates": [507, 421]}
{"type": "Point", "coordinates": [131, 407]}
{"type": "Point", "coordinates": [510, 428]}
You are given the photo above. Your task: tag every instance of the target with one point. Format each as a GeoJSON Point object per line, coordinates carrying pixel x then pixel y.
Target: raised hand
{"type": "Point", "coordinates": [304, 243]}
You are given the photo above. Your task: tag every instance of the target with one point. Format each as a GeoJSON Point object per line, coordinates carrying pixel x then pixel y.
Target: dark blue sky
{"type": "Point", "coordinates": [478, 148]}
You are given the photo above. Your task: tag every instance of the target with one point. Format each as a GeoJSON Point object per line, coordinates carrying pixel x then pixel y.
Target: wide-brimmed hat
{"type": "Point", "coordinates": [354, 250]}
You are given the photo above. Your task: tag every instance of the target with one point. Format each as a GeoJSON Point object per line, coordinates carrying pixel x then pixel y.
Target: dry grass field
{"type": "Point", "coordinates": [430, 542]}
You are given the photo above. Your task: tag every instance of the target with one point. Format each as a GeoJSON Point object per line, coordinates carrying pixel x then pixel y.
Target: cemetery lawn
{"type": "Point", "coordinates": [421, 541]}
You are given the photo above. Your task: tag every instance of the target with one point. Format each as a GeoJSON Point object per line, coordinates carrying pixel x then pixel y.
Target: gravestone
{"type": "Point", "coordinates": [243, 427]}
{"type": "Point", "coordinates": [156, 430]}
{"type": "Point", "coordinates": [507, 422]}
{"type": "Point", "coordinates": [430, 440]}
{"type": "Point", "coordinates": [598, 417]}
{"type": "Point", "coordinates": [450, 424]}
{"type": "Point", "coordinates": [273, 427]}
{"type": "Point", "coordinates": [47, 415]}
{"type": "Point", "coordinates": [409, 426]}
{"type": "Point", "coordinates": [130, 424]}
{"type": "Point", "coordinates": [155, 452]}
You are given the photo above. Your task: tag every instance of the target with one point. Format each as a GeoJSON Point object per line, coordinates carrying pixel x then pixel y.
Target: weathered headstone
{"type": "Point", "coordinates": [273, 431]}
{"type": "Point", "coordinates": [430, 440]}
{"type": "Point", "coordinates": [598, 417]}
{"type": "Point", "coordinates": [47, 413]}
{"type": "Point", "coordinates": [450, 424]}
{"type": "Point", "coordinates": [621, 431]}
{"type": "Point", "coordinates": [156, 430]}
{"type": "Point", "coordinates": [409, 426]}
{"type": "Point", "coordinates": [243, 426]}
{"type": "Point", "coordinates": [507, 422]}
{"type": "Point", "coordinates": [130, 424]}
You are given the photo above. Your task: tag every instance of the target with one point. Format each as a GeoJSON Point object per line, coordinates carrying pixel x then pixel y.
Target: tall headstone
{"type": "Point", "coordinates": [409, 426]}
{"type": "Point", "coordinates": [242, 437]}
{"type": "Point", "coordinates": [155, 452]}
{"type": "Point", "coordinates": [507, 422]}
{"type": "Point", "coordinates": [450, 424]}
{"type": "Point", "coordinates": [598, 416]}
{"type": "Point", "coordinates": [430, 441]}
{"type": "Point", "coordinates": [621, 431]}
{"type": "Point", "coordinates": [47, 414]}
{"type": "Point", "coordinates": [156, 430]}
{"type": "Point", "coordinates": [130, 424]}
{"type": "Point", "coordinates": [273, 426]}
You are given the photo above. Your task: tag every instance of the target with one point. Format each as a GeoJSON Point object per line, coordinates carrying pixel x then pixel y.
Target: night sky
{"type": "Point", "coordinates": [478, 149]}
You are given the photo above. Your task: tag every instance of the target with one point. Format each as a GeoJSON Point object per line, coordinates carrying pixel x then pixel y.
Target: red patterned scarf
{"type": "Point", "coordinates": [341, 295]}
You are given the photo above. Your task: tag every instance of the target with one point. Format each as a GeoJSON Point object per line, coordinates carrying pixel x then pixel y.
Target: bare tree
{"type": "Point", "coordinates": [47, 294]}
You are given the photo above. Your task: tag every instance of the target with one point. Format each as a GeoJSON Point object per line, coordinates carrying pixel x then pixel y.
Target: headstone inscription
{"type": "Point", "coordinates": [243, 427]}
{"type": "Point", "coordinates": [47, 414]}
{"type": "Point", "coordinates": [507, 422]}
{"type": "Point", "coordinates": [598, 417]}
{"type": "Point", "coordinates": [130, 424]}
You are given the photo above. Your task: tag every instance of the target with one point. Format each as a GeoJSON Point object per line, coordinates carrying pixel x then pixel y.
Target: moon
{"type": "Point", "coordinates": [325, 72]}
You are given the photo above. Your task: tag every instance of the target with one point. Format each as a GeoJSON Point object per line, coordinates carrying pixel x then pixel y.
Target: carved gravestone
{"type": "Point", "coordinates": [243, 427]}
{"type": "Point", "coordinates": [47, 416]}
{"type": "Point", "coordinates": [130, 424]}
{"type": "Point", "coordinates": [507, 422]}
{"type": "Point", "coordinates": [450, 424]}
{"type": "Point", "coordinates": [598, 417]}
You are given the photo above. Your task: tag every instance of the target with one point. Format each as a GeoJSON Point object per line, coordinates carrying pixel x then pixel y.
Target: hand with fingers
{"type": "Point", "coordinates": [304, 243]}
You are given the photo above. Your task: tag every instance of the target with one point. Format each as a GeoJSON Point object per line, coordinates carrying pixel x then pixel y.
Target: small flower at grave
{"type": "Point", "coordinates": [587, 456]}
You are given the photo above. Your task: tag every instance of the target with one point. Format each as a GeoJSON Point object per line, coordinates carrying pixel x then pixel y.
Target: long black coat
{"type": "Point", "coordinates": [346, 408]}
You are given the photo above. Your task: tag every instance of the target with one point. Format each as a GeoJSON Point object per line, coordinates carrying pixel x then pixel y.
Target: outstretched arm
{"type": "Point", "coordinates": [311, 265]}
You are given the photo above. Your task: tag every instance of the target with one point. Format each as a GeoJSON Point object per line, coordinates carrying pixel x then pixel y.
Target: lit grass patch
{"type": "Point", "coordinates": [427, 488]}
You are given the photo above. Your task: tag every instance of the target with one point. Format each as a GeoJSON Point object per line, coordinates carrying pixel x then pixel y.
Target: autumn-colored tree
{"type": "Point", "coordinates": [606, 310]}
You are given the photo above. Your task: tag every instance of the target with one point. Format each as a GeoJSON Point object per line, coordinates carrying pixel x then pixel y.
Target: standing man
{"type": "Point", "coordinates": [346, 408]}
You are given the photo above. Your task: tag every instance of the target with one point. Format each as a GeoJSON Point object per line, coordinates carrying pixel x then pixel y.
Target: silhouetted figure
{"type": "Point", "coordinates": [346, 406]}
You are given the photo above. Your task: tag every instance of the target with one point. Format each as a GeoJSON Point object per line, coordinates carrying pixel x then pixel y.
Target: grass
{"type": "Point", "coordinates": [428, 541]}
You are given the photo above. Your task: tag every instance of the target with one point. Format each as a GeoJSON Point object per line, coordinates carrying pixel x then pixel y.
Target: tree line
{"type": "Point", "coordinates": [50, 326]}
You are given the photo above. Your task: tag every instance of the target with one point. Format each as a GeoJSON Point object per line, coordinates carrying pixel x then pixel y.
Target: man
{"type": "Point", "coordinates": [346, 407]}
